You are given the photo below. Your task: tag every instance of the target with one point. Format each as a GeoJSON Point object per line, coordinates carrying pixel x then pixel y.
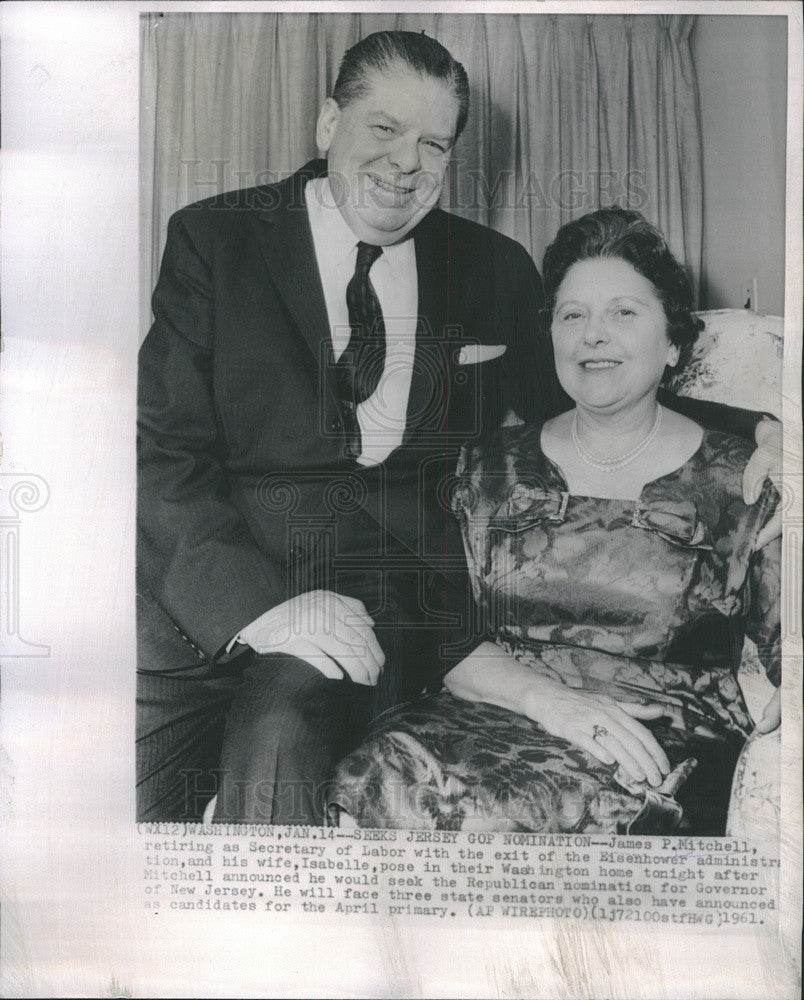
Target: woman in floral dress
{"type": "Point", "coordinates": [616, 567]}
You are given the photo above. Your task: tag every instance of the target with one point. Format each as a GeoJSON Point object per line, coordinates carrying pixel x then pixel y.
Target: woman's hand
{"type": "Point", "coordinates": [605, 728]}
{"type": "Point", "coordinates": [766, 462]}
{"type": "Point", "coordinates": [772, 716]}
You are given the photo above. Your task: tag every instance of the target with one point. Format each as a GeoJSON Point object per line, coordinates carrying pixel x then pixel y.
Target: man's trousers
{"type": "Point", "coordinates": [264, 732]}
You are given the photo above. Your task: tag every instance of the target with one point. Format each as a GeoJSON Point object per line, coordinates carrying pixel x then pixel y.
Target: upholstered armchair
{"type": "Point", "coordinates": [738, 360]}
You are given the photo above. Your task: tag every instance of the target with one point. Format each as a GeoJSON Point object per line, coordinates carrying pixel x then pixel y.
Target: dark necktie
{"type": "Point", "coordinates": [365, 352]}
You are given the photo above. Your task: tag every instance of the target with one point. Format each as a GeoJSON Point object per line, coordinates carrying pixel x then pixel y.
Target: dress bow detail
{"type": "Point", "coordinates": [524, 505]}
{"type": "Point", "coordinates": [676, 520]}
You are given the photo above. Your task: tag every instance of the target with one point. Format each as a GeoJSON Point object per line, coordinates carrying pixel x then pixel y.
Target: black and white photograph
{"type": "Point", "coordinates": [363, 407]}
{"type": "Point", "coordinates": [401, 499]}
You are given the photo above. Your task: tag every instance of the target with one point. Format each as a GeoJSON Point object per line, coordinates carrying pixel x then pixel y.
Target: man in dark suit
{"type": "Point", "coordinates": [321, 347]}
{"type": "Point", "coordinates": [288, 515]}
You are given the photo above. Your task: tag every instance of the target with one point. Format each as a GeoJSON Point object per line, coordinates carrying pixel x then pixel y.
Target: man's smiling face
{"type": "Point", "coordinates": [388, 152]}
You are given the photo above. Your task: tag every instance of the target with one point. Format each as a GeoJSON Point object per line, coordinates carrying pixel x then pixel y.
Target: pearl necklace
{"type": "Point", "coordinates": [612, 464]}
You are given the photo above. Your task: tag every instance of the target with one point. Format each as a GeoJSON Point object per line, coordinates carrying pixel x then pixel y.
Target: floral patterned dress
{"type": "Point", "coordinates": [645, 600]}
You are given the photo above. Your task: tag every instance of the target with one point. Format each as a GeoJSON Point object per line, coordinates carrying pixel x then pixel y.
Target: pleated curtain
{"type": "Point", "coordinates": [569, 113]}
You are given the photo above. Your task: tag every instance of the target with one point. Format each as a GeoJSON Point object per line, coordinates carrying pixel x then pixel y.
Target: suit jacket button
{"type": "Point", "coordinates": [335, 425]}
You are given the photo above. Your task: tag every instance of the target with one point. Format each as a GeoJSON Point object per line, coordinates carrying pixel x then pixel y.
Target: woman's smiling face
{"type": "Point", "coordinates": [609, 335]}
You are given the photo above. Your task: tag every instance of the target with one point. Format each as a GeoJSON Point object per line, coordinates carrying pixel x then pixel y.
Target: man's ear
{"type": "Point", "coordinates": [327, 124]}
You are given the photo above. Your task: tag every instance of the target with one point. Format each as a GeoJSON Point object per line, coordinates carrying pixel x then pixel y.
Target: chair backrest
{"type": "Point", "coordinates": [736, 360]}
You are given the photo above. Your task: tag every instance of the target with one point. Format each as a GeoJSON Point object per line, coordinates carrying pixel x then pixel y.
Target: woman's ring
{"type": "Point", "coordinates": [598, 731]}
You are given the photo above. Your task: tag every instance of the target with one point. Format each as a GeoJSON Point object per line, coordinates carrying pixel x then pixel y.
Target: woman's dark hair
{"type": "Point", "coordinates": [619, 232]}
{"type": "Point", "coordinates": [424, 55]}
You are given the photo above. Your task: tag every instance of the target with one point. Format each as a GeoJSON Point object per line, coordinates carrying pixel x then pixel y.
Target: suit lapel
{"type": "Point", "coordinates": [429, 388]}
{"type": "Point", "coordinates": [286, 243]}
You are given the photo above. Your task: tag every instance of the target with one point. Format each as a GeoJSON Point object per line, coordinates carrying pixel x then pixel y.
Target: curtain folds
{"type": "Point", "coordinates": [569, 113]}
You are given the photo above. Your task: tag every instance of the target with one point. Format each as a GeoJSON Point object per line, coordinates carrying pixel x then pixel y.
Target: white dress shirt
{"type": "Point", "coordinates": [382, 416]}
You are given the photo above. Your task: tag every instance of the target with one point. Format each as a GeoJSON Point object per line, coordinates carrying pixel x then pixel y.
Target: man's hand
{"type": "Point", "coordinates": [765, 462]}
{"type": "Point", "coordinates": [327, 630]}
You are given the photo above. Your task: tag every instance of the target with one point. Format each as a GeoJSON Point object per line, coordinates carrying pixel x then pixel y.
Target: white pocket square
{"type": "Point", "coordinates": [473, 354]}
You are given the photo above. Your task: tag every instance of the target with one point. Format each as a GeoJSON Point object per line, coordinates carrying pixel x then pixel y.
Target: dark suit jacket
{"type": "Point", "coordinates": [241, 452]}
